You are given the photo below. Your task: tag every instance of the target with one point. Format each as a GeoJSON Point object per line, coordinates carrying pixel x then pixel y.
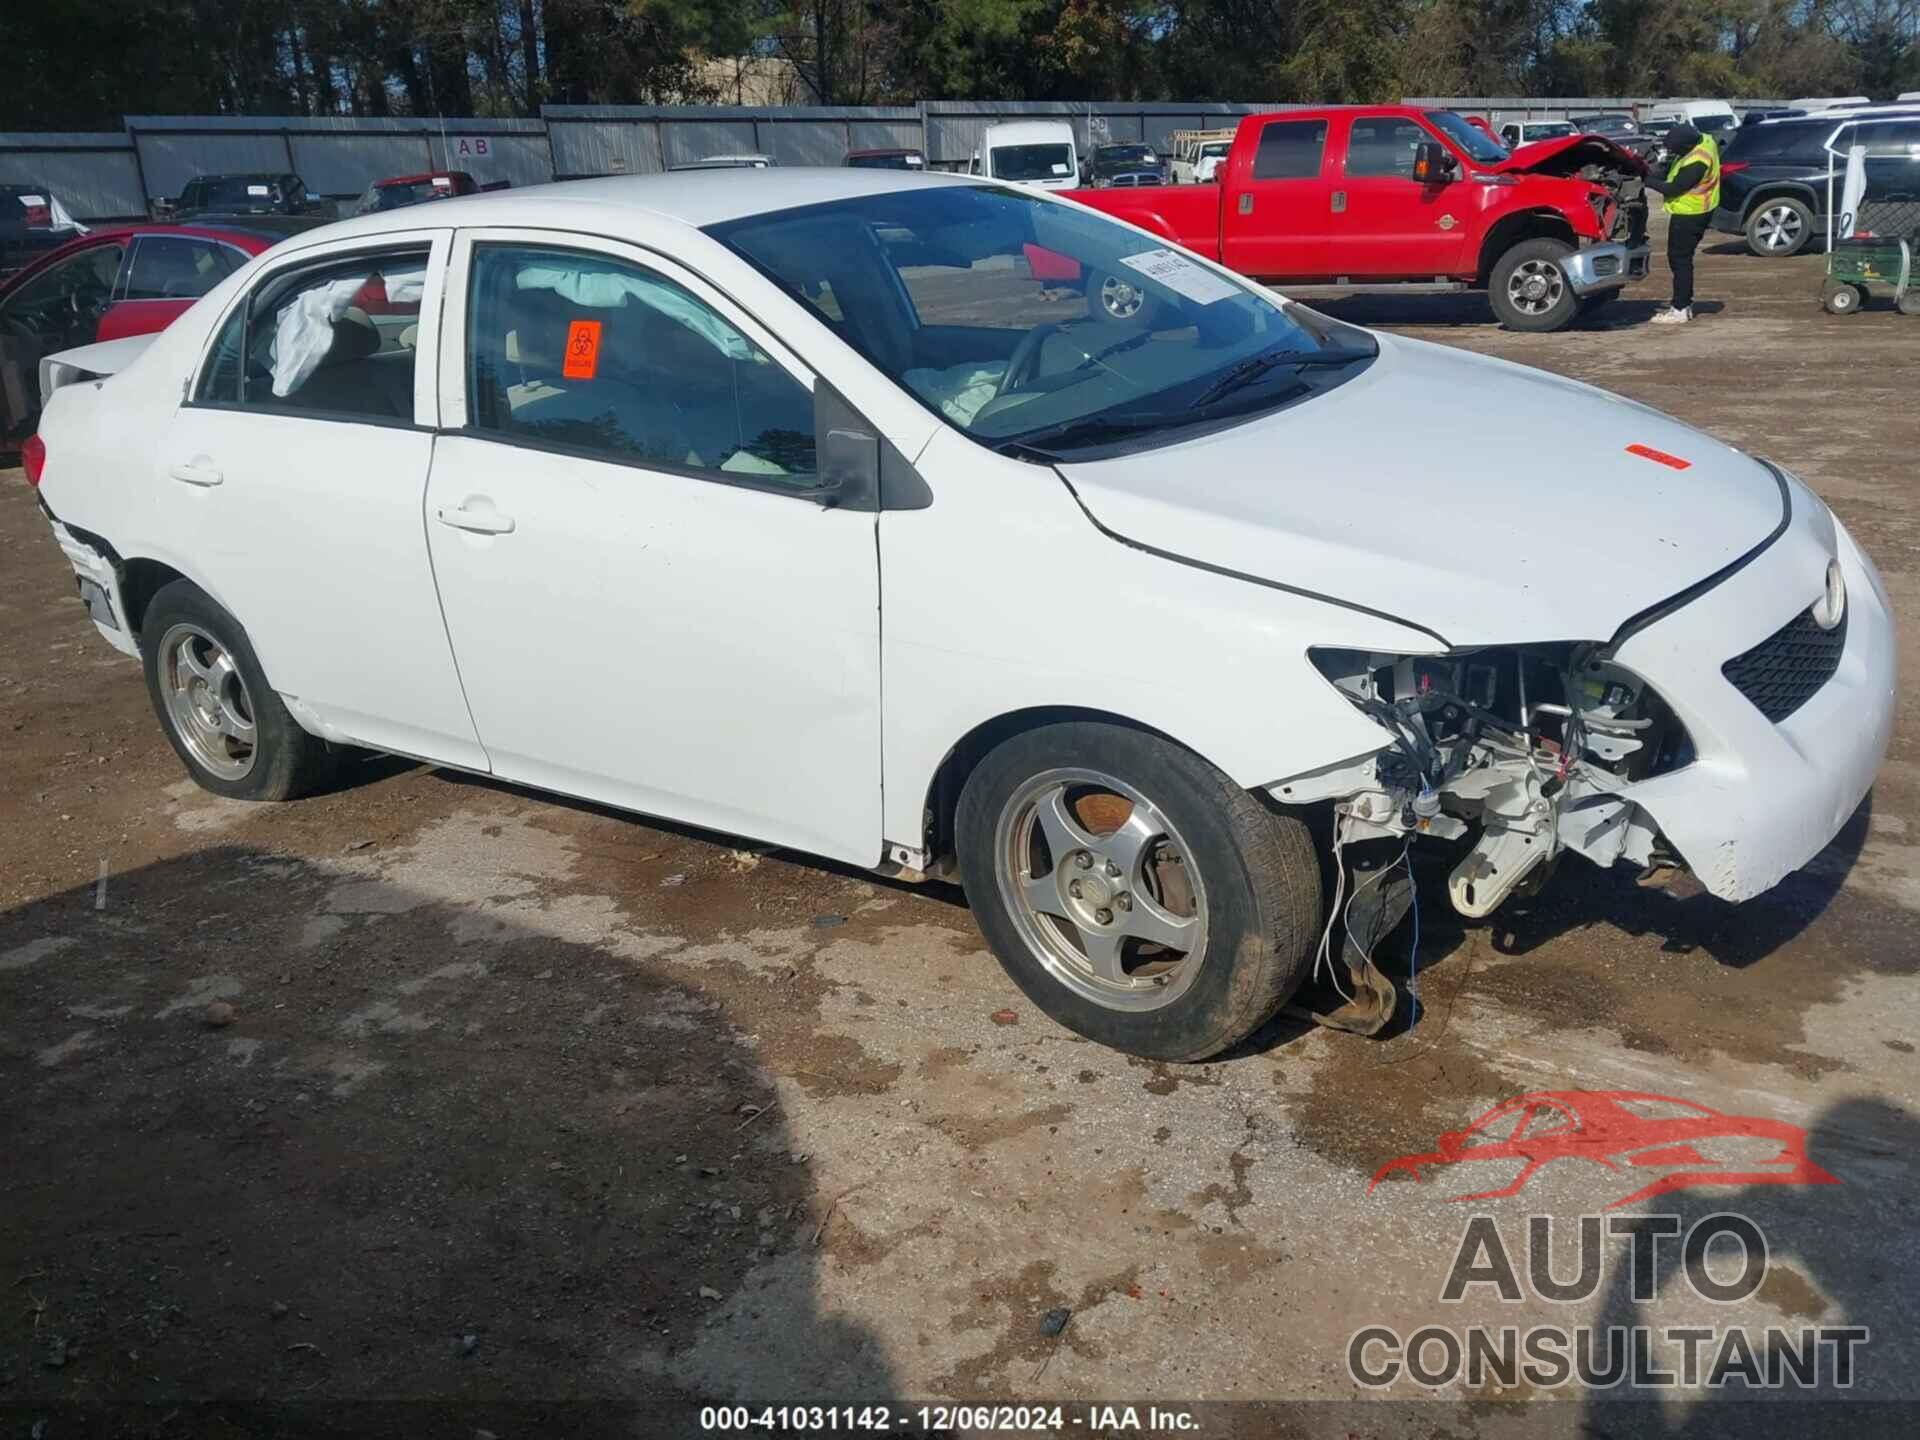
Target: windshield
{"type": "Point", "coordinates": [394, 197]}
{"type": "Point", "coordinates": [1026, 322]}
{"type": "Point", "coordinates": [1030, 162]}
{"type": "Point", "coordinates": [894, 160]}
{"type": "Point", "coordinates": [1123, 155]}
{"type": "Point", "coordinates": [1605, 125]}
{"type": "Point", "coordinates": [1714, 124]}
{"type": "Point", "coordinates": [1479, 145]}
{"type": "Point", "coordinates": [1545, 130]}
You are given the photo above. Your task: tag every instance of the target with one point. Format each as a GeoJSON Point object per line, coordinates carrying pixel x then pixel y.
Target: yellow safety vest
{"type": "Point", "coordinates": [1703, 198]}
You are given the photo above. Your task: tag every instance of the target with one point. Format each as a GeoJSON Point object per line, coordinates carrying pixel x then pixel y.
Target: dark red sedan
{"type": "Point", "coordinates": [112, 282]}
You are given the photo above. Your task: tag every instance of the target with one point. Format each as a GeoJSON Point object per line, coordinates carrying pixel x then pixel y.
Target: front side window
{"type": "Point", "coordinates": [593, 354]}
{"type": "Point", "coordinates": [335, 339]}
{"type": "Point", "coordinates": [1020, 163]}
{"type": "Point", "coordinates": [1030, 324]}
{"type": "Point", "coordinates": [81, 282]}
{"type": "Point", "coordinates": [1380, 145]}
{"type": "Point", "coordinates": [177, 267]}
{"type": "Point", "coordinates": [1290, 150]}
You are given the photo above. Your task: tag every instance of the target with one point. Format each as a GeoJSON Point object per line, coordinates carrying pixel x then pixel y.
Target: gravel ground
{"type": "Point", "coordinates": [431, 1106]}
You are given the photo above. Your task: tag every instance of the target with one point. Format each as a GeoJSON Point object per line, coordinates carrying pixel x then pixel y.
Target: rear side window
{"type": "Point", "coordinates": [1383, 146]}
{"type": "Point", "coordinates": [177, 267]}
{"type": "Point", "coordinates": [336, 339]}
{"type": "Point", "coordinates": [1290, 150]}
{"type": "Point", "coordinates": [592, 354]}
{"type": "Point", "coordinates": [1776, 144]}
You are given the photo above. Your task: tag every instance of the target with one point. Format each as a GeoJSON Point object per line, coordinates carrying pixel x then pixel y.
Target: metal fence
{"type": "Point", "coordinates": [118, 175]}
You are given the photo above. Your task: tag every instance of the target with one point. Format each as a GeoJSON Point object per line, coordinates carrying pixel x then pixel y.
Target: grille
{"type": "Point", "coordinates": [1783, 671]}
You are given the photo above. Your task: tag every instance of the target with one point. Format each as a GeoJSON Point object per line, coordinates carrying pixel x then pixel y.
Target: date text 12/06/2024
{"type": "Point", "coordinates": [940, 1419]}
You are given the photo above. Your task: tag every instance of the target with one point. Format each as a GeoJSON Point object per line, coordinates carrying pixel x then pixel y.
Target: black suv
{"type": "Point", "coordinates": [1773, 185]}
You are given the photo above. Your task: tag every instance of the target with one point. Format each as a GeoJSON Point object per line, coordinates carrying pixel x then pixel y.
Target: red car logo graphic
{"type": "Point", "coordinates": [1622, 1130]}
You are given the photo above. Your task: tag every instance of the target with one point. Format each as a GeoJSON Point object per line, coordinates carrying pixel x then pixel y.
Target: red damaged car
{"type": "Point", "coordinates": [1622, 1131]}
{"type": "Point", "coordinates": [1398, 199]}
{"type": "Point", "coordinates": [112, 282]}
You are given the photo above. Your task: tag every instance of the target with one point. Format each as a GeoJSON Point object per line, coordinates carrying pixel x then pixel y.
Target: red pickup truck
{"type": "Point", "coordinates": [1361, 198]}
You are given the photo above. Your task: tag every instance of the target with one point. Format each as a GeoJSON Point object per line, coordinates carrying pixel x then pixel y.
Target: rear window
{"type": "Point", "coordinates": [1290, 150]}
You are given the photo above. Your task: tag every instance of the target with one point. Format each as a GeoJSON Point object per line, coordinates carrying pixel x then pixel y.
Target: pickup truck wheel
{"type": "Point", "coordinates": [1118, 300]}
{"type": "Point", "coordinates": [1529, 288]}
{"type": "Point", "coordinates": [1780, 226]}
{"type": "Point", "coordinates": [215, 705]}
{"type": "Point", "coordinates": [1136, 894]}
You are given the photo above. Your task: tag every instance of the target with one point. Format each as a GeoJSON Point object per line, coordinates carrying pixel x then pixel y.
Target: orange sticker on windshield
{"type": "Point", "coordinates": [583, 350]}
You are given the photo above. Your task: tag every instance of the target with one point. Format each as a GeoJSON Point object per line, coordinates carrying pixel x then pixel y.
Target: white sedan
{"type": "Point", "coordinates": [822, 507]}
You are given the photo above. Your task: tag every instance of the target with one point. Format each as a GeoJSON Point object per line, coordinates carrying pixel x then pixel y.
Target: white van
{"type": "Point", "coordinates": [1709, 117]}
{"type": "Point", "coordinates": [1040, 153]}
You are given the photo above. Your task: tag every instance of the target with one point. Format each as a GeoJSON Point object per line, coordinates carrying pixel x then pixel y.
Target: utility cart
{"type": "Point", "coordinates": [1871, 239]}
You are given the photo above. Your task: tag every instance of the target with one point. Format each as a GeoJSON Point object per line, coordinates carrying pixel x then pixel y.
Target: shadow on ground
{"type": "Point", "coordinates": [427, 1177]}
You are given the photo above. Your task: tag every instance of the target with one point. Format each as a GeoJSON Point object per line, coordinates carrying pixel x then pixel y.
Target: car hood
{"type": "Point", "coordinates": [1479, 500]}
{"type": "Point", "coordinates": [1564, 154]}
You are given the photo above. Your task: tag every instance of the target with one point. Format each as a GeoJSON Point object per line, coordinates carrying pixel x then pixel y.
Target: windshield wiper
{"type": "Point", "coordinates": [1251, 369]}
{"type": "Point", "coordinates": [1091, 430]}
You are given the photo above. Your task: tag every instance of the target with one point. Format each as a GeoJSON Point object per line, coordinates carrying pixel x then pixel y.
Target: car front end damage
{"type": "Point", "coordinates": [1731, 730]}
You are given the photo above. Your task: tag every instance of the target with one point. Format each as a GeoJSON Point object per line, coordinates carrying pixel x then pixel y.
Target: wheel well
{"type": "Point", "coordinates": [140, 581]}
{"type": "Point", "coordinates": [950, 777]}
{"type": "Point", "coordinates": [1779, 190]}
{"type": "Point", "coordinates": [1512, 229]}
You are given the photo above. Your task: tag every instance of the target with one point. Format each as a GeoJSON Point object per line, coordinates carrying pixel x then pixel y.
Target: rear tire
{"type": "Point", "coordinates": [1080, 841]}
{"type": "Point", "coordinates": [1529, 288]}
{"type": "Point", "coordinates": [221, 716]}
{"type": "Point", "coordinates": [1909, 302]}
{"type": "Point", "coordinates": [1779, 226]}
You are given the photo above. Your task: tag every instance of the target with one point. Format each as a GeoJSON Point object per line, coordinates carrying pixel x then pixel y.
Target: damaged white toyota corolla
{"type": "Point", "coordinates": [948, 529]}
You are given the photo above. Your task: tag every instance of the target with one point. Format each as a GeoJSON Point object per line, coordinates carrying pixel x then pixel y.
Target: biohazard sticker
{"type": "Point", "coordinates": [583, 350]}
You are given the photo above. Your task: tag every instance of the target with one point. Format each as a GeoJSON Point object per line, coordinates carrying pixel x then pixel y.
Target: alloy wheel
{"type": "Point", "coordinates": [1102, 889]}
{"type": "Point", "coordinates": [1779, 228]}
{"type": "Point", "coordinates": [207, 701]}
{"type": "Point", "coordinates": [1536, 286]}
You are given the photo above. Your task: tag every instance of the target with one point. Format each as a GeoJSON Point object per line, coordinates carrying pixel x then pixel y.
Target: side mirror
{"type": "Point", "coordinates": [846, 452]}
{"type": "Point", "coordinates": [1432, 165]}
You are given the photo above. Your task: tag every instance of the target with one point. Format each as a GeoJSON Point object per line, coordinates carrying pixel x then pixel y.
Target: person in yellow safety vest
{"type": "Point", "coordinates": [1691, 189]}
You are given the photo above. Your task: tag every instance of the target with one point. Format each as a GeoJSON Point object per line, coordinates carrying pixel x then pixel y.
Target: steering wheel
{"type": "Point", "coordinates": [1024, 363]}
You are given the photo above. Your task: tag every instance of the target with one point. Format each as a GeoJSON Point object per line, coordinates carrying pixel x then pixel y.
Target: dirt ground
{"type": "Point", "coordinates": [531, 1119]}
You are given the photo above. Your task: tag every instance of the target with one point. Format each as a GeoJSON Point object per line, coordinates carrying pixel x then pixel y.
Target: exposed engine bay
{"type": "Point", "coordinates": [1521, 751]}
{"type": "Point", "coordinates": [1530, 744]}
{"type": "Point", "coordinates": [1618, 180]}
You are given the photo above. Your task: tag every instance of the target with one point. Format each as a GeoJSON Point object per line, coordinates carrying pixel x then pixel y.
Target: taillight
{"type": "Point", "coordinates": [39, 216]}
{"type": "Point", "coordinates": [1734, 166]}
{"type": "Point", "coordinates": [33, 458]}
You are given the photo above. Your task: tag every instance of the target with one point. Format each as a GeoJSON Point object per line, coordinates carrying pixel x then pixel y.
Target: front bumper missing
{"type": "Point", "coordinates": [99, 586]}
{"type": "Point", "coordinates": [1606, 266]}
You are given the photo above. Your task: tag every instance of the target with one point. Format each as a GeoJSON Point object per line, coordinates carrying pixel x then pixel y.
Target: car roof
{"type": "Point", "coordinates": [887, 150]}
{"type": "Point", "coordinates": [1017, 131]}
{"type": "Point", "coordinates": [694, 198]}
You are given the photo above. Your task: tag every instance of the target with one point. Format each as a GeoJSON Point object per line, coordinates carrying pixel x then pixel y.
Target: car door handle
{"type": "Point", "coordinates": [1339, 202]}
{"type": "Point", "coordinates": [480, 522]}
{"type": "Point", "coordinates": [196, 474]}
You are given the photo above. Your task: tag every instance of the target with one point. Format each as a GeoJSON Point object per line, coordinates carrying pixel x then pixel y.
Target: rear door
{"type": "Point", "coordinates": [1274, 211]}
{"type": "Point", "coordinates": [647, 606]}
{"type": "Point", "coordinates": [292, 481]}
{"type": "Point", "coordinates": [1388, 225]}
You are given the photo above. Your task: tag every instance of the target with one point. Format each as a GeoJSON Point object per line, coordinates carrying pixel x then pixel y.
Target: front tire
{"type": "Point", "coordinates": [219, 713]}
{"type": "Point", "coordinates": [1839, 298]}
{"type": "Point", "coordinates": [1134, 892]}
{"type": "Point", "coordinates": [1779, 227]}
{"type": "Point", "coordinates": [1529, 289]}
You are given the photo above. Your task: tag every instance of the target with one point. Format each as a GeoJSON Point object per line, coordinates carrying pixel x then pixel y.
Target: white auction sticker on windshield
{"type": "Point", "coordinates": [1181, 275]}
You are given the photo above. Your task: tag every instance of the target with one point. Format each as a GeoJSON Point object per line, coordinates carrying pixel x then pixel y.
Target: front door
{"type": "Point", "coordinates": [647, 607]}
{"type": "Point", "coordinates": [1273, 224]}
{"type": "Point", "coordinates": [1388, 225]}
{"type": "Point", "coordinates": [301, 457]}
